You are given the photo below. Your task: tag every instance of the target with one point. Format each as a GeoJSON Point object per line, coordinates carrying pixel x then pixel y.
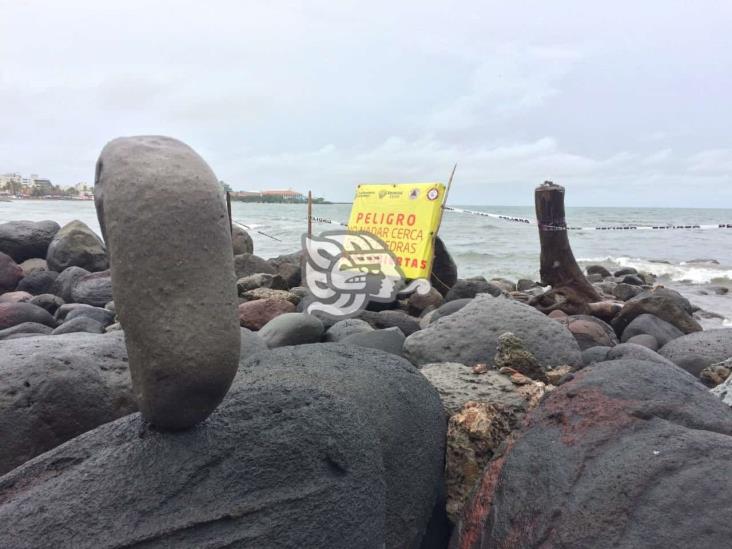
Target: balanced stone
{"type": "Point", "coordinates": [176, 295]}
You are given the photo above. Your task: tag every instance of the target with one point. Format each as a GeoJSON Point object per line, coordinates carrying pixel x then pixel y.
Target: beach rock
{"type": "Point", "coordinates": [268, 293]}
{"type": "Point", "coordinates": [390, 340]}
{"type": "Point", "coordinates": [620, 456]}
{"type": "Point", "coordinates": [724, 392]}
{"type": "Point", "coordinates": [504, 284]}
{"type": "Point", "coordinates": [391, 319]}
{"type": "Point", "coordinates": [291, 329]}
{"type": "Point", "coordinates": [38, 282]}
{"type": "Point", "coordinates": [624, 291]}
{"type": "Point", "coordinates": [93, 289]}
{"type": "Point", "coordinates": [15, 297]}
{"type": "Point", "coordinates": [401, 407]}
{"type": "Point", "coordinates": [345, 328]}
{"type": "Point", "coordinates": [633, 280]}
{"type": "Point", "coordinates": [270, 468]}
{"type": "Point", "coordinates": [76, 245]}
{"type": "Point", "coordinates": [636, 352]}
{"type": "Point", "coordinates": [55, 388]}
{"type": "Point", "coordinates": [595, 354]}
{"type": "Point", "coordinates": [713, 375]}
{"type": "Point", "coordinates": [33, 265]}
{"type": "Point", "coordinates": [241, 242]}
{"type": "Point", "coordinates": [12, 314]}
{"type": "Point", "coordinates": [511, 353]}
{"type": "Point", "coordinates": [65, 282]}
{"type": "Point", "coordinates": [251, 344]}
{"type": "Point", "coordinates": [80, 324]}
{"type": "Point", "coordinates": [645, 340]}
{"type": "Point", "coordinates": [10, 273]}
{"type": "Point", "coordinates": [260, 280]}
{"type": "Point", "coordinates": [49, 302]}
{"type": "Point", "coordinates": [598, 269]}
{"type": "Point", "coordinates": [444, 270]}
{"type": "Point", "coordinates": [26, 328]}
{"type": "Point", "coordinates": [249, 264]}
{"type": "Point", "coordinates": [664, 306]}
{"type": "Point", "coordinates": [594, 278]}
{"type": "Point", "coordinates": [449, 308]}
{"type": "Point", "coordinates": [23, 240]}
{"type": "Point", "coordinates": [418, 303]}
{"type": "Point", "coordinates": [288, 267]}
{"type": "Point", "coordinates": [101, 315]}
{"type": "Point", "coordinates": [525, 284]}
{"type": "Point", "coordinates": [590, 331]}
{"type": "Point", "coordinates": [625, 271]}
{"type": "Point", "coordinates": [255, 314]}
{"type": "Point", "coordinates": [183, 351]}
{"type": "Point", "coordinates": [471, 287]}
{"type": "Point", "coordinates": [652, 325]}
{"type": "Point", "coordinates": [470, 336]}
{"type": "Point", "coordinates": [694, 352]}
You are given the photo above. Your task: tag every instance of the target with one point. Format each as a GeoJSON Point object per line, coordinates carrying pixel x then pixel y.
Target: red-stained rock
{"type": "Point", "coordinates": [10, 273]}
{"type": "Point", "coordinates": [255, 314]}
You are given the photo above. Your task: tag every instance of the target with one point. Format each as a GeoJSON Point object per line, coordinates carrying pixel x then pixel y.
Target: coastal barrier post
{"type": "Point", "coordinates": [228, 210]}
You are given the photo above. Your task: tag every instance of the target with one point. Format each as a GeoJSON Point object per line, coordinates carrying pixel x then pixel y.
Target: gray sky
{"type": "Point", "coordinates": [624, 103]}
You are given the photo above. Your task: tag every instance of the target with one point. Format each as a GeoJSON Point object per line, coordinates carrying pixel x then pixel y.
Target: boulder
{"type": "Point", "coordinates": [260, 280]}
{"type": "Point", "coordinates": [511, 353]}
{"type": "Point", "coordinates": [399, 404]}
{"type": "Point", "coordinates": [267, 293]}
{"type": "Point", "coordinates": [55, 388]}
{"type": "Point", "coordinates": [471, 287]}
{"type": "Point", "coordinates": [10, 273]}
{"type": "Point", "coordinates": [25, 328]}
{"type": "Point", "coordinates": [621, 456]}
{"type": "Point", "coordinates": [15, 297]}
{"type": "Point", "coordinates": [391, 319]}
{"type": "Point", "coordinates": [251, 344]}
{"type": "Point", "coordinates": [637, 352]}
{"type": "Point", "coordinates": [103, 316]}
{"type": "Point", "coordinates": [724, 392]}
{"type": "Point", "coordinates": [34, 264]}
{"type": "Point", "coordinates": [504, 284]}
{"type": "Point", "coordinates": [80, 324]}
{"type": "Point", "coordinates": [633, 280]}
{"type": "Point", "coordinates": [624, 291]}
{"type": "Point", "coordinates": [390, 340]}
{"type": "Point", "coordinates": [418, 303]}
{"type": "Point", "coordinates": [49, 302]}
{"type": "Point", "coordinates": [345, 328]}
{"type": "Point", "coordinates": [598, 269]}
{"type": "Point", "coordinates": [625, 271]}
{"type": "Point", "coordinates": [76, 245]}
{"type": "Point", "coordinates": [470, 336]}
{"type": "Point", "coordinates": [645, 340]}
{"type": "Point", "coordinates": [694, 352]}
{"type": "Point", "coordinates": [23, 240]}
{"type": "Point", "coordinates": [12, 314]}
{"type": "Point", "coordinates": [249, 264]}
{"type": "Point", "coordinates": [660, 304]}
{"type": "Point", "coordinates": [291, 329]}
{"type": "Point", "coordinates": [241, 242]}
{"type": "Point", "coordinates": [595, 354]}
{"type": "Point", "coordinates": [525, 284]}
{"type": "Point", "coordinates": [38, 282]}
{"type": "Point", "coordinates": [652, 325]}
{"type": "Point", "coordinates": [271, 467]}
{"type": "Point", "coordinates": [288, 267]}
{"type": "Point", "coordinates": [449, 308]}
{"type": "Point", "coordinates": [590, 331]}
{"type": "Point", "coordinates": [65, 282]}
{"type": "Point", "coordinates": [444, 270]}
{"type": "Point", "coordinates": [255, 314]}
{"type": "Point", "coordinates": [94, 289]}
{"type": "Point", "coordinates": [175, 295]}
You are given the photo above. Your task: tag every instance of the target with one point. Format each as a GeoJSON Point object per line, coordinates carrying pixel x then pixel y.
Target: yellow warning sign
{"type": "Point", "coordinates": [406, 216]}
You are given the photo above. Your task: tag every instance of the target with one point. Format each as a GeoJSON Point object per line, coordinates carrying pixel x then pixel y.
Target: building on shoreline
{"type": "Point", "coordinates": [277, 196]}
{"type": "Point", "coordinates": [14, 184]}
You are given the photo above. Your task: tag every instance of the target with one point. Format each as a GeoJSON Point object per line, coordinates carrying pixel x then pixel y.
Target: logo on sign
{"type": "Point", "coordinates": [433, 194]}
{"type": "Point", "coordinates": [414, 194]}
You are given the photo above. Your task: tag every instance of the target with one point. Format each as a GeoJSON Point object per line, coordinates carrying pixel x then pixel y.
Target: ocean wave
{"type": "Point", "coordinates": [692, 273]}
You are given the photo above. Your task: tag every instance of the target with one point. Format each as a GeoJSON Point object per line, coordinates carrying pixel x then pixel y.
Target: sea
{"type": "Point", "coordinates": [696, 262]}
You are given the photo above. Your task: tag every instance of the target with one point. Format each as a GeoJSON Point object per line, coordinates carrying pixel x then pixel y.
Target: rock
{"type": "Point", "coordinates": [719, 290]}
{"type": "Point", "coordinates": [471, 287]}
{"type": "Point", "coordinates": [38, 282]}
{"type": "Point", "coordinates": [633, 280]}
{"type": "Point", "coordinates": [10, 273]}
{"type": "Point", "coordinates": [724, 392]}
{"type": "Point", "coordinates": [590, 331]}
{"type": "Point", "coordinates": [23, 240]}
{"type": "Point", "coordinates": [625, 271]}
{"type": "Point", "coordinates": [598, 269]}
{"type": "Point", "coordinates": [444, 270]}
{"type": "Point", "coordinates": [12, 314]}
{"type": "Point", "coordinates": [345, 328]}
{"type": "Point", "coordinates": [390, 340]}
{"type": "Point", "coordinates": [94, 289]}
{"type": "Point", "coordinates": [470, 336]}
{"type": "Point", "coordinates": [652, 325]}
{"type": "Point", "coordinates": [183, 351]}
{"type": "Point", "coordinates": [504, 284]}
{"type": "Point", "coordinates": [663, 306]}
{"type": "Point", "coordinates": [559, 374]}
{"type": "Point", "coordinates": [26, 328]}
{"type": "Point", "coordinates": [249, 264]}
{"type": "Point", "coordinates": [49, 302]}
{"type": "Point", "coordinates": [511, 353]}
{"type": "Point", "coordinates": [624, 291]}
{"type": "Point", "coordinates": [402, 408]}
{"type": "Point", "coordinates": [672, 295]}
{"type": "Point", "coordinates": [267, 293]}
{"type": "Point", "coordinates": [694, 352]}
{"type": "Point", "coordinates": [291, 329]}
{"type": "Point", "coordinates": [241, 242]}
{"type": "Point", "coordinates": [620, 456]}
{"type": "Point", "coordinates": [255, 314]}
{"type": "Point", "coordinates": [645, 340]}
{"type": "Point", "coordinates": [15, 297]}
{"type": "Point", "coordinates": [417, 303]}
{"type": "Point", "coordinates": [713, 375]}
{"type": "Point", "coordinates": [595, 354]}
{"type": "Point", "coordinates": [65, 282]}
{"type": "Point", "coordinates": [636, 352]}
{"type": "Point", "coordinates": [251, 344]}
{"type": "Point", "coordinates": [103, 316]}
{"type": "Point", "coordinates": [55, 388]}
{"type": "Point", "coordinates": [391, 319]}
{"type": "Point", "coordinates": [80, 324]}
{"type": "Point", "coordinates": [449, 308]}
{"type": "Point", "coordinates": [595, 278]}
{"type": "Point", "coordinates": [260, 280]}
{"type": "Point", "coordinates": [76, 245]}
{"type": "Point", "coordinates": [33, 265]}
{"type": "Point", "coordinates": [525, 284]}
{"type": "Point", "coordinates": [428, 317]}
{"type": "Point", "coordinates": [288, 267]}
{"type": "Point", "coordinates": [270, 468]}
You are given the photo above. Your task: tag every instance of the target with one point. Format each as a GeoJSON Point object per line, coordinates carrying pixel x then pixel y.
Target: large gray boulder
{"type": "Point", "coordinates": [55, 388]}
{"type": "Point", "coordinates": [651, 325]}
{"type": "Point", "coordinates": [291, 329]}
{"type": "Point", "coordinates": [76, 245]}
{"type": "Point", "coordinates": [64, 283]}
{"type": "Point", "coordinates": [38, 282]}
{"type": "Point", "coordinates": [23, 240]}
{"type": "Point", "coordinates": [94, 289]}
{"type": "Point", "coordinates": [470, 335]}
{"type": "Point", "coordinates": [401, 406]}
{"type": "Point", "coordinates": [249, 264]}
{"type": "Point", "coordinates": [12, 314]}
{"type": "Point", "coordinates": [390, 340]}
{"type": "Point", "coordinates": [178, 308]}
{"type": "Point", "coordinates": [241, 241]}
{"type": "Point", "coordinates": [723, 391]}
{"type": "Point", "coordinates": [696, 351]}
{"type": "Point", "coordinates": [10, 273]}
{"type": "Point", "coordinates": [271, 467]}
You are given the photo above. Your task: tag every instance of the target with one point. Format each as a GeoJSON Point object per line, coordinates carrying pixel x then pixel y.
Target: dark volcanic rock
{"type": "Point", "coordinates": [645, 340]}
{"type": "Point", "coordinates": [38, 282]}
{"type": "Point", "coordinates": [417, 303]}
{"type": "Point", "coordinates": [260, 280]}
{"type": "Point", "coordinates": [390, 340]}
{"type": "Point", "coordinates": [291, 329]}
{"type": "Point", "coordinates": [396, 400]}
{"type": "Point", "coordinates": [23, 240]}
{"type": "Point", "coordinates": [270, 468]}
{"type": "Point", "coordinates": [652, 325]}
{"type": "Point", "coordinates": [10, 273]}
{"type": "Point", "coordinates": [345, 328]}
{"type": "Point", "coordinates": [103, 316]}
{"type": "Point", "coordinates": [624, 291]}
{"type": "Point", "coordinates": [94, 289]}
{"type": "Point", "coordinates": [595, 354]}
{"type": "Point", "coordinates": [49, 302]}
{"type": "Point", "coordinates": [241, 241]}
{"type": "Point", "coordinates": [663, 306]}
{"type": "Point", "coordinates": [76, 245]}
{"type": "Point", "coordinates": [449, 308]}
{"type": "Point", "coordinates": [469, 288]}
{"type": "Point", "coordinates": [598, 269]}
{"type": "Point", "coordinates": [80, 324]}
{"type": "Point", "coordinates": [288, 267]}
{"type": "Point", "coordinates": [34, 264]}
{"type": "Point", "coordinates": [621, 456]}
{"type": "Point", "coordinates": [636, 352]}
{"type": "Point", "coordinates": [391, 319]}
{"type": "Point", "coordinates": [444, 270]}
{"type": "Point", "coordinates": [590, 331]}
{"type": "Point", "coordinates": [12, 314]}
{"type": "Point", "coordinates": [470, 336]}
{"type": "Point", "coordinates": [65, 282]}
{"type": "Point", "coordinates": [249, 264]}
{"type": "Point", "coordinates": [25, 328]}
{"type": "Point", "coordinates": [55, 388]}
{"type": "Point", "coordinates": [175, 295]}
{"type": "Point", "coordinates": [626, 271]}
{"type": "Point", "coordinates": [696, 351]}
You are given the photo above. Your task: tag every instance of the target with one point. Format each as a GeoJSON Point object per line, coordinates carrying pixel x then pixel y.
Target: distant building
{"type": "Point", "coordinates": [268, 196]}
{"type": "Point", "coordinates": [289, 194]}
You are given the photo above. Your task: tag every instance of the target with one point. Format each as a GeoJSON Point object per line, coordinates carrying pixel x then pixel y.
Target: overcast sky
{"type": "Point", "coordinates": [624, 103]}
